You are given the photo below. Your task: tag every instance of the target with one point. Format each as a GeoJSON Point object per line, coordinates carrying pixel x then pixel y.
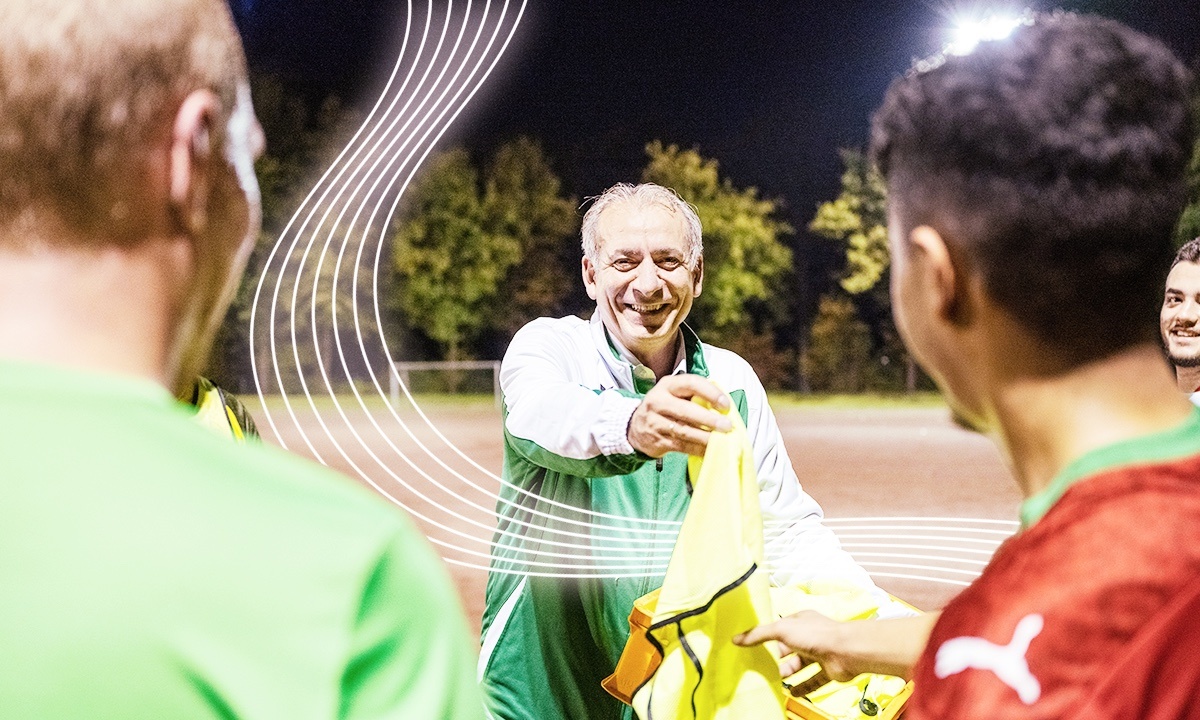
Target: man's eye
{"type": "Point", "coordinates": [669, 263]}
{"type": "Point", "coordinates": [624, 265]}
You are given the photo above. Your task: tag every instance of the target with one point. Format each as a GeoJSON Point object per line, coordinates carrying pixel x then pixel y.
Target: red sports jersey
{"type": "Point", "coordinates": [1158, 677]}
{"type": "Point", "coordinates": [1042, 626]}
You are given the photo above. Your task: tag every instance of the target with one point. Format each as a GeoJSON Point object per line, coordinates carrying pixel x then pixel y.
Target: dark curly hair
{"type": "Point", "coordinates": [1054, 159]}
{"type": "Point", "coordinates": [1190, 252]}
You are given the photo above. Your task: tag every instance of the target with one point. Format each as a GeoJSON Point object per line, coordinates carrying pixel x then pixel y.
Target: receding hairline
{"type": "Point", "coordinates": [635, 205]}
{"type": "Point", "coordinates": [643, 195]}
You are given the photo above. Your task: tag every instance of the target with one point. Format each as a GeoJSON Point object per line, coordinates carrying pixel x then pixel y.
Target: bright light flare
{"type": "Point", "coordinates": [968, 33]}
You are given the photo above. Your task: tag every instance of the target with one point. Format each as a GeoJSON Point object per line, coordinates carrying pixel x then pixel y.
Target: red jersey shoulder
{"type": "Point", "coordinates": [1035, 630]}
{"type": "Point", "coordinates": [989, 660]}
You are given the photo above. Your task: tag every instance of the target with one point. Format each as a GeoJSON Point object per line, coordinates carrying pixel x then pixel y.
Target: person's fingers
{"type": "Point", "coordinates": [688, 386]}
{"type": "Point", "coordinates": [758, 635]}
{"type": "Point", "coordinates": [656, 434]}
{"type": "Point", "coordinates": [679, 437]}
{"type": "Point", "coordinates": [669, 421]}
{"type": "Point", "coordinates": [693, 415]}
{"type": "Point", "coordinates": [683, 431]}
{"type": "Point", "coordinates": [684, 411]}
{"type": "Point", "coordinates": [791, 664]}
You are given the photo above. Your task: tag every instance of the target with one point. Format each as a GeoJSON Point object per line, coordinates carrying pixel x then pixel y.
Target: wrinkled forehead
{"type": "Point", "coordinates": [636, 223]}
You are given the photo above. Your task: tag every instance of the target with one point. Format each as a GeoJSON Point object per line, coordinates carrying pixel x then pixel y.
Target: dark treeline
{"type": "Point", "coordinates": [485, 242]}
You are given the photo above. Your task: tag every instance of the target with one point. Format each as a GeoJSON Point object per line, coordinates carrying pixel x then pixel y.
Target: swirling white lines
{"type": "Point", "coordinates": [446, 56]}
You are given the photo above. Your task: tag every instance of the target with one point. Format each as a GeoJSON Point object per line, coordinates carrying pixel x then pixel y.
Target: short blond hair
{"type": "Point", "coordinates": [88, 86]}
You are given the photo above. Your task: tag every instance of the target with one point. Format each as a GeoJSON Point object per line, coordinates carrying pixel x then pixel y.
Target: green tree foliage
{"type": "Point", "coordinates": [744, 259]}
{"type": "Point", "coordinates": [838, 355]}
{"type": "Point", "coordinates": [522, 200]}
{"type": "Point", "coordinates": [449, 265]}
{"type": "Point", "coordinates": [858, 218]}
{"type": "Point", "coordinates": [480, 257]}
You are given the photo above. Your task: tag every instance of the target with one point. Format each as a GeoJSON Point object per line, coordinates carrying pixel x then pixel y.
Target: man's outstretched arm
{"type": "Point", "coordinates": [558, 423]}
{"type": "Point", "coordinates": [846, 649]}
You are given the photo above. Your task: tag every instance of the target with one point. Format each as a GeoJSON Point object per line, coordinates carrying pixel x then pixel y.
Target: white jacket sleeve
{"type": "Point", "coordinates": [554, 420]}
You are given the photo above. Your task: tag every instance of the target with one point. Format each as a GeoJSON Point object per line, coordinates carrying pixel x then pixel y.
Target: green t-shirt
{"type": "Point", "coordinates": [151, 569]}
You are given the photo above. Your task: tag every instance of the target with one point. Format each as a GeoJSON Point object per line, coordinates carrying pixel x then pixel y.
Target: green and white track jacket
{"type": "Point", "coordinates": [587, 524]}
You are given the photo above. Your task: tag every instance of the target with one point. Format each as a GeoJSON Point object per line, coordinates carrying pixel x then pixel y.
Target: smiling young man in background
{"type": "Point", "coordinates": [1179, 318]}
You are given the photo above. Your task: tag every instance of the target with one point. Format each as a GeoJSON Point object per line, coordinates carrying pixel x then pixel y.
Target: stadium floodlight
{"type": "Point", "coordinates": [968, 33]}
{"type": "Point", "coordinates": [971, 29]}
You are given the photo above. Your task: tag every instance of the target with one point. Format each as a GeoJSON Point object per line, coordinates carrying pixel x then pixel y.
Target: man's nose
{"type": "Point", "coordinates": [647, 280]}
{"type": "Point", "coordinates": [1189, 312]}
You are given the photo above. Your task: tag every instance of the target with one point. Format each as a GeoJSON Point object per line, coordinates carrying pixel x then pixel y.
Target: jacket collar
{"type": "Point", "coordinates": [632, 374]}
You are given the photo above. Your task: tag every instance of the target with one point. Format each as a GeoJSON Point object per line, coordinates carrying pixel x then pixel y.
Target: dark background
{"type": "Point", "coordinates": [771, 89]}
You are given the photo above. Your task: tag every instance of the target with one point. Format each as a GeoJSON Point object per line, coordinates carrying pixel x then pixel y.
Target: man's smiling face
{"type": "Point", "coordinates": [639, 279]}
{"type": "Point", "coordinates": [1179, 318]}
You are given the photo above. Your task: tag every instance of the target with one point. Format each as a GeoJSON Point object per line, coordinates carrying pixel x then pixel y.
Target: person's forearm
{"type": "Point", "coordinates": [888, 647]}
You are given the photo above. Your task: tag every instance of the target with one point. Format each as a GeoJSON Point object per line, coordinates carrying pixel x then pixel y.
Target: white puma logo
{"type": "Point", "coordinates": [1006, 661]}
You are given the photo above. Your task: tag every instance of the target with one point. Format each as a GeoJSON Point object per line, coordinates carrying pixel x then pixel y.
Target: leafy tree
{"type": "Point", "coordinates": [858, 219]}
{"type": "Point", "coordinates": [448, 264]}
{"type": "Point", "coordinates": [744, 259]}
{"type": "Point", "coordinates": [521, 200]}
{"type": "Point", "coordinates": [837, 357]}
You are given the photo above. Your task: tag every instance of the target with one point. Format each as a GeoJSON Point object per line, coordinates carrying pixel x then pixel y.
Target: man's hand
{"type": "Point", "coordinates": [845, 649]}
{"type": "Point", "coordinates": [804, 638]}
{"type": "Point", "coordinates": [668, 420]}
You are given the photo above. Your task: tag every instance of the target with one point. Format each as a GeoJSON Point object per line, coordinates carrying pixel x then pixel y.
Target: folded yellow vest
{"type": "Point", "coordinates": [715, 587]}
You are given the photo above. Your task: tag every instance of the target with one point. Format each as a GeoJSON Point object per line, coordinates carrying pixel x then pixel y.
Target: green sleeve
{"type": "Point", "coordinates": [593, 467]}
{"type": "Point", "coordinates": [410, 656]}
{"type": "Point", "coordinates": [597, 466]}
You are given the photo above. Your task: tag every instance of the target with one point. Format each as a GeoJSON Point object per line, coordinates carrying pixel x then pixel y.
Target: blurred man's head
{"type": "Point", "coordinates": [642, 264]}
{"type": "Point", "coordinates": [1179, 319]}
{"type": "Point", "coordinates": [124, 122]}
{"type": "Point", "coordinates": [1049, 167]}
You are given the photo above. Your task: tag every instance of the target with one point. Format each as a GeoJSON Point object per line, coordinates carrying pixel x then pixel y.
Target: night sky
{"type": "Point", "coordinates": [771, 89]}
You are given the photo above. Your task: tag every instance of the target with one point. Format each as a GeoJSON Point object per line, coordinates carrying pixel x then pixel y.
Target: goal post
{"type": "Point", "coordinates": [402, 373]}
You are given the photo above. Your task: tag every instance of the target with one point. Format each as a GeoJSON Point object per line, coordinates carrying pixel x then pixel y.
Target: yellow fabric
{"type": "Point", "coordinates": [841, 699]}
{"type": "Point", "coordinates": [841, 602]}
{"type": "Point", "coordinates": [715, 588]}
{"type": "Point", "coordinates": [212, 414]}
{"type": "Point", "coordinates": [833, 600]}
{"type": "Point", "coordinates": [233, 425]}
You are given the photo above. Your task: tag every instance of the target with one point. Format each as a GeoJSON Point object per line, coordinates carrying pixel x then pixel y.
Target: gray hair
{"type": "Point", "coordinates": [643, 194]}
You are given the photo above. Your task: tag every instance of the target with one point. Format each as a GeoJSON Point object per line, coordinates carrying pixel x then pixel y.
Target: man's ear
{"type": "Point", "coordinates": [589, 277]}
{"type": "Point", "coordinates": [930, 252]}
{"type": "Point", "coordinates": [698, 277]}
{"type": "Point", "coordinates": [192, 159]}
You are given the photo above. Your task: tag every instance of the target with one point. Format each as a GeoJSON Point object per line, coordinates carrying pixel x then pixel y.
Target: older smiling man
{"type": "Point", "coordinates": [599, 420]}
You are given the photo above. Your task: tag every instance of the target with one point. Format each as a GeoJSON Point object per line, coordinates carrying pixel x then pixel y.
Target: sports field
{"type": "Point", "coordinates": [909, 493]}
